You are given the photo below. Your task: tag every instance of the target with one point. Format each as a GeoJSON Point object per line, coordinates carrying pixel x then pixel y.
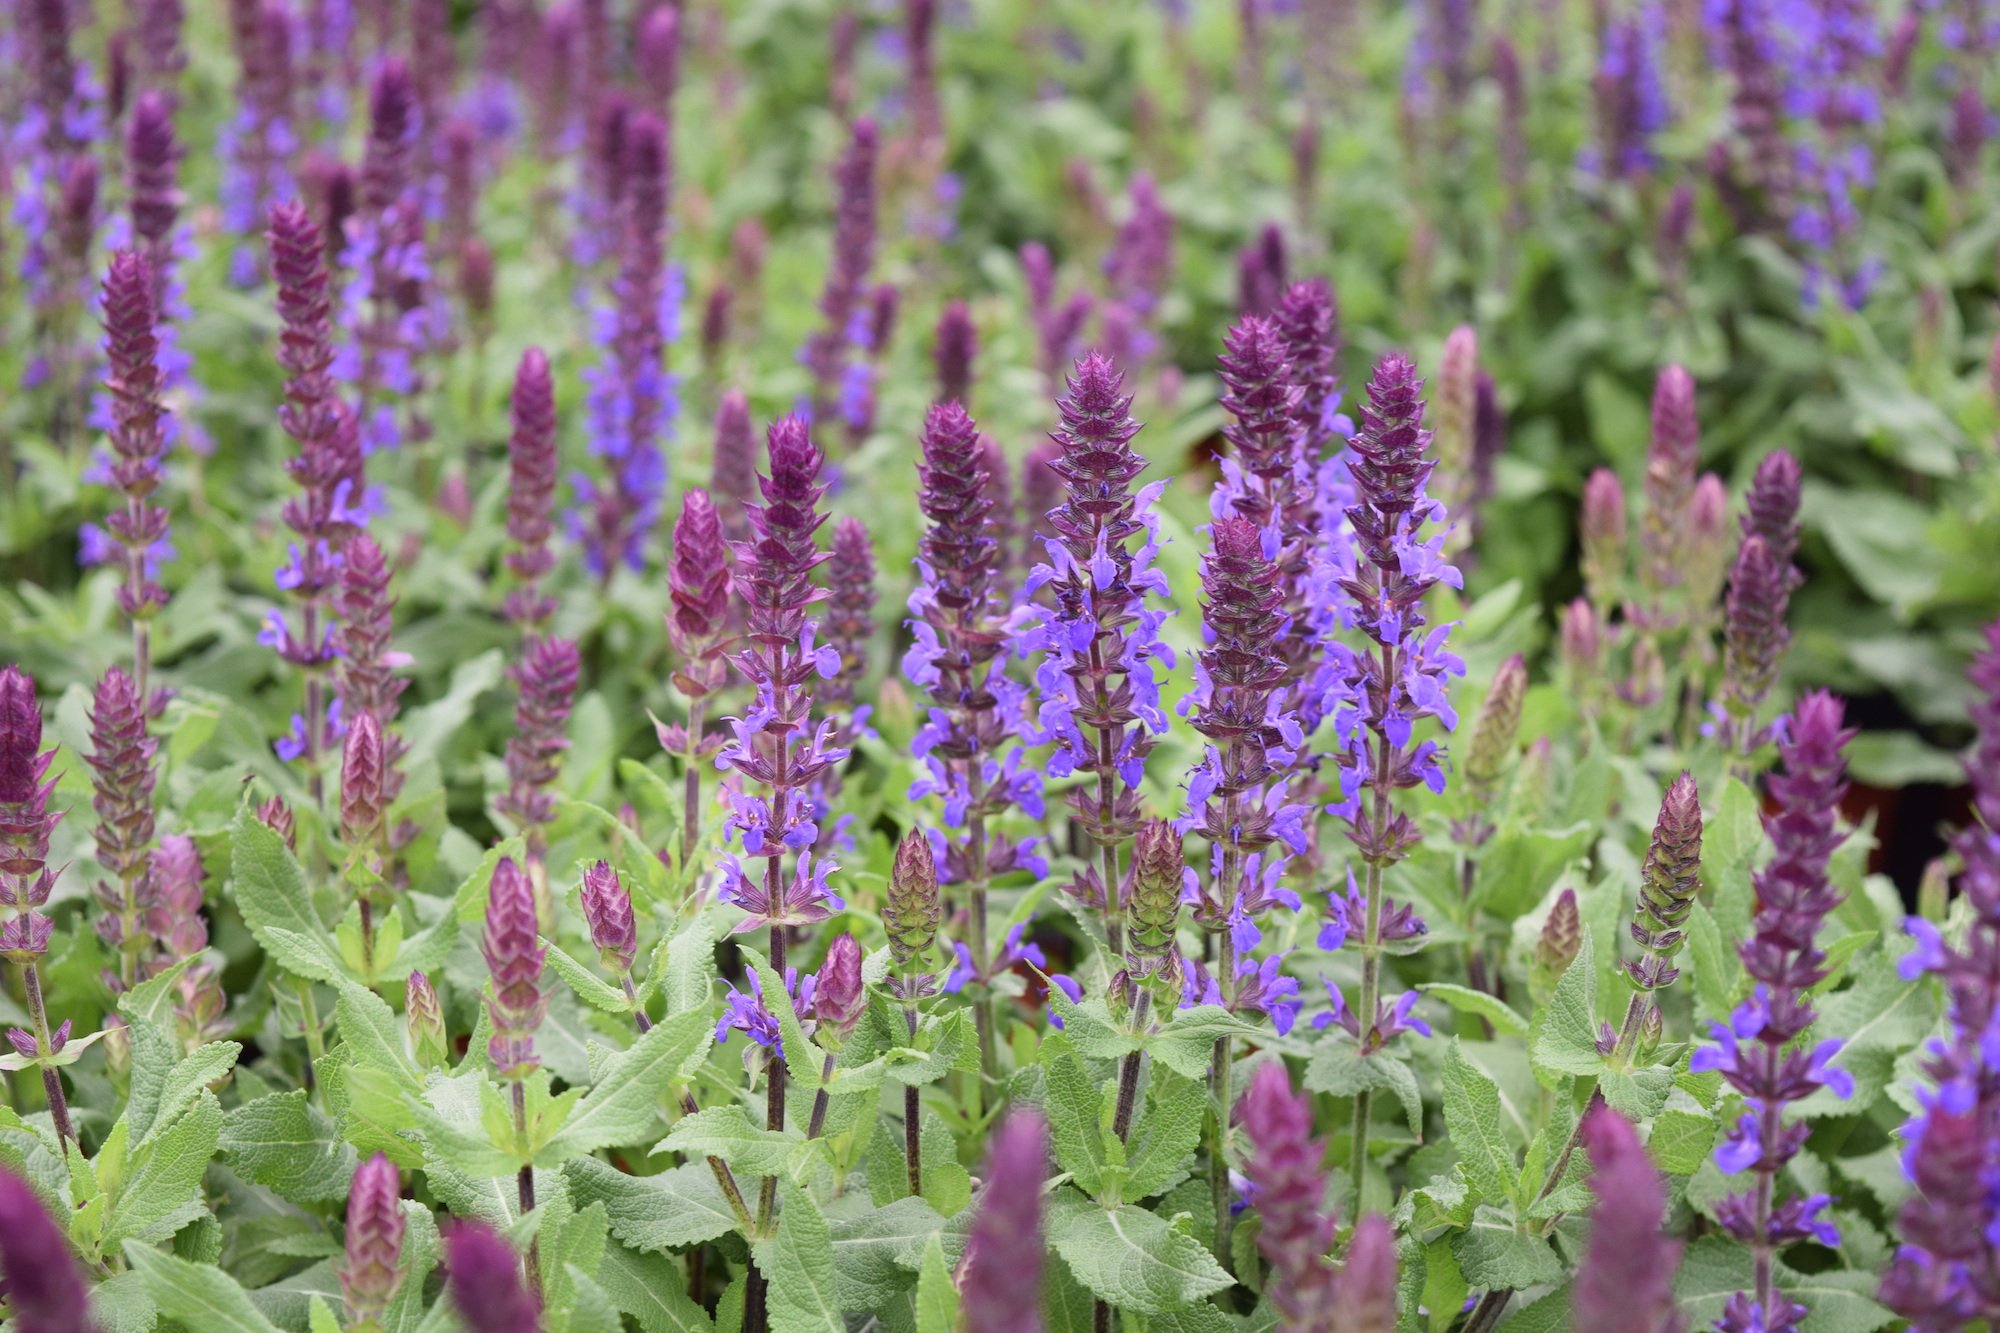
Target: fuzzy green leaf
{"type": "Point", "coordinates": [199, 1295]}
{"type": "Point", "coordinates": [287, 1145]}
{"type": "Point", "coordinates": [799, 1261]}
{"type": "Point", "coordinates": [1567, 1040]}
{"type": "Point", "coordinates": [270, 890]}
{"type": "Point", "coordinates": [1472, 1118]}
{"type": "Point", "coordinates": [623, 1106]}
{"type": "Point", "coordinates": [1131, 1258]}
{"type": "Point", "coordinates": [676, 1208]}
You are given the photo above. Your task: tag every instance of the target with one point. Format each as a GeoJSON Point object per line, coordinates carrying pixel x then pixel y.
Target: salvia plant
{"type": "Point", "coordinates": [1307, 667]}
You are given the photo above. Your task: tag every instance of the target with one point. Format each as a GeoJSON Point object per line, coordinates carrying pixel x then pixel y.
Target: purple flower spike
{"type": "Point", "coordinates": [1283, 1166]}
{"type": "Point", "coordinates": [831, 350]}
{"type": "Point", "coordinates": [839, 997]}
{"type": "Point", "coordinates": [483, 1277]}
{"type": "Point", "coordinates": [374, 1240]}
{"type": "Point", "coordinates": [850, 617]}
{"type": "Point", "coordinates": [1669, 881]}
{"type": "Point", "coordinates": [1672, 458]}
{"type": "Point", "coordinates": [957, 348]}
{"type": "Point", "coordinates": [1000, 1281]}
{"type": "Point", "coordinates": [546, 678]}
{"type": "Point", "coordinates": [361, 787]}
{"type": "Point", "coordinates": [121, 765]}
{"type": "Point", "coordinates": [43, 1285]}
{"type": "Point", "coordinates": [138, 430]}
{"type": "Point", "coordinates": [515, 1002]}
{"type": "Point", "coordinates": [368, 683]}
{"type": "Point", "coordinates": [1364, 1292]}
{"type": "Point", "coordinates": [1772, 506]}
{"type": "Point", "coordinates": [734, 480]}
{"type": "Point", "coordinates": [25, 820]}
{"type": "Point", "coordinates": [531, 474]}
{"type": "Point", "coordinates": [698, 586]}
{"type": "Point", "coordinates": [1755, 637]}
{"type": "Point", "coordinates": [1625, 1282]}
{"type": "Point", "coordinates": [607, 910]}
{"type": "Point", "coordinates": [1260, 272]}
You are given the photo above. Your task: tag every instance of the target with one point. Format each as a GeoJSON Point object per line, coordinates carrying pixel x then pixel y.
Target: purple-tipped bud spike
{"type": "Point", "coordinates": [1625, 1282]}
{"type": "Point", "coordinates": [368, 665]}
{"type": "Point", "coordinates": [1707, 544]}
{"type": "Point", "coordinates": [697, 587]}
{"type": "Point", "coordinates": [1260, 272]}
{"type": "Point", "coordinates": [1672, 457]}
{"type": "Point", "coordinates": [1603, 529]}
{"type": "Point", "coordinates": [277, 816]}
{"type": "Point", "coordinates": [425, 1016]}
{"type": "Point", "coordinates": [607, 910]}
{"type": "Point", "coordinates": [839, 997]}
{"type": "Point", "coordinates": [547, 681]}
{"type": "Point", "coordinates": [1562, 935]}
{"type": "Point", "coordinates": [374, 1240]}
{"type": "Point", "coordinates": [43, 1286]}
{"type": "Point", "coordinates": [121, 764]}
{"type": "Point", "coordinates": [1772, 506]}
{"type": "Point", "coordinates": [483, 1276]}
{"type": "Point", "coordinates": [957, 348]}
{"type": "Point", "coordinates": [779, 560]}
{"type": "Point", "coordinates": [1364, 1292]}
{"type": "Point", "coordinates": [850, 622]}
{"type": "Point", "coordinates": [1284, 1166]}
{"type": "Point", "coordinates": [392, 113]}
{"type": "Point", "coordinates": [1499, 723]}
{"type": "Point", "coordinates": [531, 470]}
{"type": "Point", "coordinates": [1669, 881]}
{"type": "Point", "coordinates": [1001, 1281]}
{"type": "Point", "coordinates": [515, 1003]}
{"type": "Point", "coordinates": [1456, 399]}
{"type": "Point", "coordinates": [734, 475]}
{"type": "Point", "coordinates": [914, 908]}
{"type": "Point", "coordinates": [361, 771]}
{"type": "Point", "coordinates": [25, 821]}
{"type": "Point", "coordinates": [658, 56]}
{"type": "Point", "coordinates": [1157, 866]}
{"type": "Point", "coordinates": [828, 352]}
{"type": "Point", "coordinates": [1309, 321]}
{"type": "Point", "coordinates": [1582, 641]}
{"type": "Point", "coordinates": [152, 158]}
{"type": "Point", "coordinates": [476, 276]}
{"type": "Point", "coordinates": [1754, 632]}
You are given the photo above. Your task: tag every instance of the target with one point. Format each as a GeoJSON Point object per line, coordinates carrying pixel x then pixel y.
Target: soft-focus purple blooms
{"type": "Point", "coordinates": [1943, 1276]}
{"type": "Point", "coordinates": [1771, 509]}
{"type": "Point", "coordinates": [1630, 95]}
{"type": "Point", "coordinates": [1289, 1184]}
{"type": "Point", "coordinates": [546, 676]}
{"type": "Point", "coordinates": [1100, 642]}
{"type": "Point", "coordinates": [1000, 1278]}
{"type": "Point", "coordinates": [1364, 1291]}
{"type": "Point", "coordinates": [1673, 455]}
{"type": "Point", "coordinates": [40, 1281]}
{"type": "Point", "coordinates": [1624, 1283]}
{"type": "Point", "coordinates": [375, 1224]}
{"type": "Point", "coordinates": [734, 476]}
{"type": "Point", "coordinates": [1136, 274]}
{"type": "Point", "coordinates": [840, 343]}
{"type": "Point", "coordinates": [850, 621]}
{"type": "Point", "coordinates": [1058, 325]}
{"type": "Point", "coordinates": [1743, 37]}
{"type": "Point", "coordinates": [257, 143]}
{"type": "Point", "coordinates": [698, 586]}
{"type": "Point", "coordinates": [632, 399]}
{"type": "Point", "coordinates": [956, 348]}
{"type": "Point", "coordinates": [774, 744]}
{"type": "Point", "coordinates": [1260, 272]}
{"type": "Point", "coordinates": [483, 1277]}
{"type": "Point", "coordinates": [531, 475]}
{"type": "Point", "coordinates": [1755, 637]}
{"type": "Point", "coordinates": [1756, 1053]}
{"type": "Point", "coordinates": [152, 185]}
{"type": "Point", "coordinates": [516, 1002]}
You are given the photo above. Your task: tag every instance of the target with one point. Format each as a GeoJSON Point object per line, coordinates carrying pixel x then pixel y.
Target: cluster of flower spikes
{"type": "Point", "coordinates": [1754, 1051]}
{"type": "Point", "coordinates": [1377, 696]}
{"type": "Point", "coordinates": [836, 354]}
{"type": "Point", "coordinates": [258, 141]}
{"type": "Point", "coordinates": [1631, 98]}
{"type": "Point", "coordinates": [327, 468]}
{"type": "Point", "coordinates": [516, 1002]}
{"type": "Point", "coordinates": [1099, 640]}
{"type": "Point", "coordinates": [631, 402]}
{"type": "Point", "coordinates": [774, 744]}
{"type": "Point", "coordinates": [971, 739]}
{"type": "Point", "coordinates": [1831, 49]}
{"type": "Point", "coordinates": [1946, 1272]}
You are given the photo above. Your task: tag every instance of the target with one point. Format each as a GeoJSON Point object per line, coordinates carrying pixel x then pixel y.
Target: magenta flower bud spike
{"type": "Point", "coordinates": [547, 679]}
{"type": "Point", "coordinates": [531, 471]}
{"type": "Point", "coordinates": [839, 997]}
{"type": "Point", "coordinates": [1283, 1166]}
{"type": "Point", "coordinates": [515, 1001]}
{"type": "Point", "coordinates": [368, 683]}
{"type": "Point", "coordinates": [1000, 1280]}
{"type": "Point", "coordinates": [957, 347]}
{"type": "Point", "coordinates": [850, 618]}
{"type": "Point", "coordinates": [1624, 1283]}
{"type": "Point", "coordinates": [121, 764]}
{"type": "Point", "coordinates": [734, 476]}
{"type": "Point", "coordinates": [361, 794]}
{"type": "Point", "coordinates": [1755, 637]}
{"type": "Point", "coordinates": [483, 1278]}
{"type": "Point", "coordinates": [607, 910]}
{"type": "Point", "coordinates": [1603, 527]}
{"type": "Point", "coordinates": [375, 1225]}
{"type": "Point", "coordinates": [1672, 457]}
{"type": "Point", "coordinates": [1364, 1291]}
{"type": "Point", "coordinates": [44, 1287]}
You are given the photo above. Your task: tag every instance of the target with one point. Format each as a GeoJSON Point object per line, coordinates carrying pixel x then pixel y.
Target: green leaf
{"type": "Point", "coordinates": [199, 1295]}
{"type": "Point", "coordinates": [687, 977]}
{"type": "Point", "coordinates": [592, 989]}
{"type": "Point", "coordinates": [648, 1287]}
{"type": "Point", "coordinates": [680, 1207]}
{"type": "Point", "coordinates": [623, 1106]}
{"type": "Point", "coordinates": [1187, 1044]}
{"type": "Point", "coordinates": [868, 1249]}
{"type": "Point", "coordinates": [1339, 1069]}
{"type": "Point", "coordinates": [727, 1132]}
{"type": "Point", "coordinates": [1681, 1139]}
{"type": "Point", "coordinates": [164, 1178]}
{"type": "Point", "coordinates": [269, 889]}
{"type": "Point", "coordinates": [1567, 1041]}
{"type": "Point", "coordinates": [1489, 1007]}
{"type": "Point", "coordinates": [1491, 1253]}
{"type": "Point", "coordinates": [1089, 1027]}
{"type": "Point", "coordinates": [285, 1144]}
{"type": "Point", "coordinates": [802, 1058]}
{"type": "Point", "coordinates": [799, 1261]}
{"type": "Point", "coordinates": [1076, 1114]}
{"type": "Point", "coordinates": [1472, 1118]}
{"type": "Point", "coordinates": [370, 1027]}
{"type": "Point", "coordinates": [937, 1299]}
{"type": "Point", "coordinates": [1132, 1259]}
{"type": "Point", "coordinates": [1166, 1135]}
{"type": "Point", "coordinates": [1717, 970]}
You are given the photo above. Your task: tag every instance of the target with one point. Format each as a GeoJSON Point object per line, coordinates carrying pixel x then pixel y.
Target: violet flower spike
{"type": "Point", "coordinates": [830, 351]}
{"type": "Point", "coordinates": [999, 1279]}
{"type": "Point", "coordinates": [25, 878]}
{"type": "Point", "coordinates": [1672, 458]}
{"type": "Point", "coordinates": [121, 763]}
{"type": "Point", "coordinates": [1624, 1283]}
{"type": "Point", "coordinates": [38, 1271]}
{"type": "Point", "coordinates": [483, 1278]}
{"type": "Point", "coordinates": [733, 481]}
{"type": "Point", "coordinates": [175, 919]}
{"type": "Point", "coordinates": [531, 471]}
{"type": "Point", "coordinates": [367, 680]}
{"type": "Point", "coordinates": [515, 1001]}
{"type": "Point", "coordinates": [1100, 642]}
{"type": "Point", "coordinates": [546, 678]}
{"type": "Point", "coordinates": [1283, 1167]}
{"type": "Point", "coordinates": [375, 1226]}
{"type": "Point", "coordinates": [698, 625]}
{"type": "Point", "coordinates": [138, 442]}
{"type": "Point", "coordinates": [955, 350]}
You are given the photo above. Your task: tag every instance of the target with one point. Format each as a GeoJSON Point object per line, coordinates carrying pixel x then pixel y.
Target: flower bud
{"type": "Point", "coordinates": [275, 815]}
{"type": "Point", "coordinates": [425, 1017]}
{"type": "Point", "coordinates": [361, 784]}
{"type": "Point", "coordinates": [1603, 530]}
{"type": "Point", "coordinates": [607, 910]}
{"type": "Point", "coordinates": [1155, 904]}
{"type": "Point", "coordinates": [515, 1002]}
{"type": "Point", "coordinates": [1364, 1291]}
{"type": "Point", "coordinates": [914, 907]}
{"type": "Point", "coordinates": [374, 1241]}
{"type": "Point", "coordinates": [1493, 735]}
{"type": "Point", "coordinates": [839, 998]}
{"type": "Point", "coordinates": [1558, 944]}
{"type": "Point", "coordinates": [1708, 546]}
{"type": "Point", "coordinates": [1669, 881]}
{"type": "Point", "coordinates": [1582, 644]}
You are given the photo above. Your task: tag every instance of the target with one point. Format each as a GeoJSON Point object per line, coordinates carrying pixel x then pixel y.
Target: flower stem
{"type": "Point", "coordinates": [913, 1145]}
{"type": "Point", "coordinates": [31, 978]}
{"type": "Point", "coordinates": [525, 1185]}
{"type": "Point", "coordinates": [691, 798]}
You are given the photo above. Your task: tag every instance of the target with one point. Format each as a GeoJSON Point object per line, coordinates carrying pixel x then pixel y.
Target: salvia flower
{"type": "Point", "coordinates": [1624, 1283]}
{"type": "Point", "coordinates": [121, 765]}
{"type": "Point", "coordinates": [1364, 1291]}
{"type": "Point", "coordinates": [25, 820]}
{"type": "Point", "coordinates": [839, 996]}
{"type": "Point", "coordinates": [734, 477]}
{"type": "Point", "coordinates": [607, 911]}
{"type": "Point", "coordinates": [956, 349]}
{"type": "Point", "coordinates": [749, 1013]}
{"type": "Point", "coordinates": [1669, 881]}
{"type": "Point", "coordinates": [1557, 945]}
{"type": "Point", "coordinates": [1289, 1184]}
{"type": "Point", "coordinates": [425, 1017]}
{"type": "Point", "coordinates": [1495, 731]}
{"type": "Point", "coordinates": [1100, 643]}
{"type": "Point", "coordinates": [1630, 96]}
{"type": "Point", "coordinates": [1771, 509]}
{"type": "Point", "coordinates": [43, 1287]}
{"type": "Point", "coordinates": [1308, 319]}
{"type": "Point", "coordinates": [375, 1223]}
{"type": "Point", "coordinates": [175, 919]}
{"type": "Point", "coordinates": [1602, 527]}
{"type": "Point", "coordinates": [1672, 456]}
{"type": "Point", "coordinates": [698, 585]}
{"type": "Point", "coordinates": [257, 142]}
{"type": "Point", "coordinates": [913, 912]}
{"type": "Point", "coordinates": [843, 315]}
{"type": "Point", "coordinates": [1136, 273]}
{"type": "Point", "coordinates": [1158, 872]}
{"type": "Point", "coordinates": [1942, 1277]}
{"type": "Point", "coordinates": [1000, 1279]}
{"type": "Point", "coordinates": [774, 745]}
{"type": "Point", "coordinates": [1755, 1052]}
{"type": "Point", "coordinates": [483, 1277]}
{"type": "Point", "coordinates": [1755, 637]}
{"type": "Point", "coordinates": [138, 441]}
{"type": "Point", "coordinates": [515, 1002]}
{"type": "Point", "coordinates": [632, 402]}
{"type": "Point", "coordinates": [367, 681]}
{"type": "Point", "coordinates": [1260, 272]}
{"type": "Point", "coordinates": [152, 184]}
{"type": "Point", "coordinates": [850, 616]}
{"type": "Point", "coordinates": [531, 477]}
{"type": "Point", "coordinates": [361, 785]}
{"type": "Point", "coordinates": [546, 678]}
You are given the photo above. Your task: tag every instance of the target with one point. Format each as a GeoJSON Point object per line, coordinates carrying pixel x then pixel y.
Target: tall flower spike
{"type": "Point", "coordinates": [1669, 881]}
{"type": "Point", "coordinates": [1755, 637]}
{"type": "Point", "coordinates": [361, 783]}
{"type": "Point", "coordinates": [546, 678]}
{"type": "Point", "coordinates": [1754, 1053]}
{"type": "Point", "coordinates": [1100, 643]}
{"type": "Point", "coordinates": [1625, 1282]}
{"type": "Point", "coordinates": [1364, 1291]}
{"type": "Point", "coordinates": [843, 314]}
{"type": "Point", "coordinates": [1495, 732]}
{"type": "Point", "coordinates": [956, 349]}
{"type": "Point", "coordinates": [425, 1020]}
{"type": "Point", "coordinates": [914, 908]}
{"type": "Point", "coordinates": [368, 681]}
{"type": "Point", "coordinates": [1672, 457]}
{"type": "Point", "coordinates": [25, 820]}
{"type": "Point", "coordinates": [531, 477]}
{"type": "Point", "coordinates": [1603, 529]}
{"type": "Point", "coordinates": [850, 617]}
{"type": "Point", "coordinates": [1308, 320]}
{"type": "Point", "coordinates": [515, 1002]}
{"type": "Point", "coordinates": [698, 585]}
{"type": "Point", "coordinates": [375, 1224]}
{"type": "Point", "coordinates": [177, 921]}
{"type": "Point", "coordinates": [607, 911]}
{"type": "Point", "coordinates": [121, 765]}
{"type": "Point", "coordinates": [43, 1286]}
{"type": "Point", "coordinates": [1260, 272]}
{"type": "Point", "coordinates": [1283, 1167]}
{"type": "Point", "coordinates": [138, 442]}
{"type": "Point", "coordinates": [1456, 400]}
{"type": "Point", "coordinates": [1000, 1280]}
{"type": "Point", "coordinates": [1771, 509]}
{"type": "Point", "coordinates": [1157, 871]}
{"type": "Point", "coordinates": [733, 477]}
{"type": "Point", "coordinates": [483, 1276]}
